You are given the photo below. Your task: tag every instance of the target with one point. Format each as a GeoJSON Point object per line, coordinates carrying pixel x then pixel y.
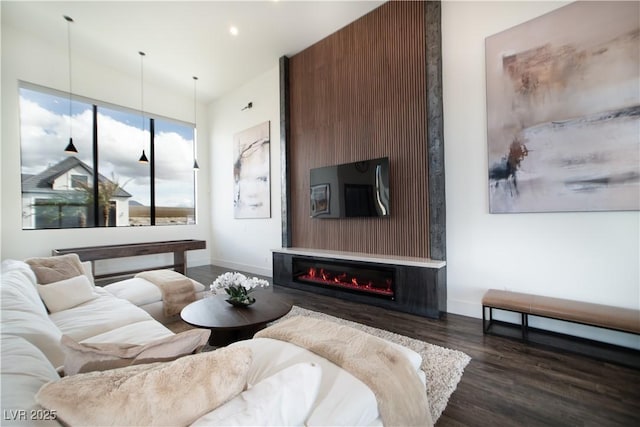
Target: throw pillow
{"type": "Point", "coordinates": [56, 268]}
{"type": "Point", "coordinates": [100, 357]}
{"type": "Point", "coordinates": [283, 399]}
{"type": "Point", "coordinates": [161, 393]}
{"type": "Point", "coordinates": [58, 296]}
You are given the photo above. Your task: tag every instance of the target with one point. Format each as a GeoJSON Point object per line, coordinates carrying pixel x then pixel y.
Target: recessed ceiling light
{"type": "Point", "coordinates": [233, 30]}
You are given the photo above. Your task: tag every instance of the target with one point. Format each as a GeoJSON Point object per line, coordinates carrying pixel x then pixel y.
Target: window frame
{"type": "Point", "coordinates": [149, 123]}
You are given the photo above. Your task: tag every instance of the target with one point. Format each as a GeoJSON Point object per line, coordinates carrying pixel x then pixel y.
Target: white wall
{"type": "Point", "coordinates": [586, 256]}
{"type": "Point", "coordinates": [29, 59]}
{"type": "Point", "coordinates": [590, 256]}
{"type": "Point", "coordinates": [244, 244]}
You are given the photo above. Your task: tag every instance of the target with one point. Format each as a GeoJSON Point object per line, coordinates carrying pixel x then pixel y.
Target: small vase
{"type": "Point", "coordinates": [244, 302]}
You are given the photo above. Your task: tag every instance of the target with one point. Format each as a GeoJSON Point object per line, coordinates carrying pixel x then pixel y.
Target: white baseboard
{"type": "Point", "coordinates": [243, 267]}
{"type": "Point", "coordinates": [196, 261]}
{"type": "Point", "coordinates": [464, 308]}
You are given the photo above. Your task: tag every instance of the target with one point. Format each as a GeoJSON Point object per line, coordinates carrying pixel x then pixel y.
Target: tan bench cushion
{"type": "Point", "coordinates": [624, 319]}
{"type": "Point", "coordinates": [508, 300]}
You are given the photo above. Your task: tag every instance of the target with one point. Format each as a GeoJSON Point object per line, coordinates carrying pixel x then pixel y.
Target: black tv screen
{"type": "Point", "coordinates": [351, 190]}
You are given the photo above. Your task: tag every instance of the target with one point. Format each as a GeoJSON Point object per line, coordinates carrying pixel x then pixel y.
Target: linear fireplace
{"type": "Point", "coordinates": [411, 285]}
{"type": "Point", "coordinates": [370, 280]}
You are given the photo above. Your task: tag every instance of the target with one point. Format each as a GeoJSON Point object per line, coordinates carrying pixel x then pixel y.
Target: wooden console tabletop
{"type": "Point", "coordinates": [95, 253]}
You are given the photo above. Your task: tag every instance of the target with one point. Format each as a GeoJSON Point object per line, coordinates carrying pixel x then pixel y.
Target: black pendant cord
{"type": "Point", "coordinates": [96, 173]}
{"type": "Point", "coordinates": [70, 148]}
{"type": "Point", "coordinates": [152, 171]}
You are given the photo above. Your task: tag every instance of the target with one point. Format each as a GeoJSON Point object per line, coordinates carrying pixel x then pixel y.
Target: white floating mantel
{"type": "Point", "coordinates": [359, 256]}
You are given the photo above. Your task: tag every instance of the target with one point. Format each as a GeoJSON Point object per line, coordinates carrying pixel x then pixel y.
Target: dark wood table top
{"type": "Point", "coordinates": [214, 313]}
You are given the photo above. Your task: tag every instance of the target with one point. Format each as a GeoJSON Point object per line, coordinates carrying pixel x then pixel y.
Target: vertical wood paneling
{"type": "Point", "coordinates": [361, 93]}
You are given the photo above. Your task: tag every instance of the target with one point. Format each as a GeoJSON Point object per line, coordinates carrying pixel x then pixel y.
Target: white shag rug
{"type": "Point", "coordinates": [443, 366]}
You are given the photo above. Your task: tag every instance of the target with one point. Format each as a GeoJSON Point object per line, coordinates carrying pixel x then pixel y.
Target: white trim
{"type": "Point", "coordinates": [243, 267]}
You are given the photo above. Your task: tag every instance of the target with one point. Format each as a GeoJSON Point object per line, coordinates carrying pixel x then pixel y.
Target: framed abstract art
{"type": "Point", "coordinates": [563, 111]}
{"type": "Point", "coordinates": [251, 172]}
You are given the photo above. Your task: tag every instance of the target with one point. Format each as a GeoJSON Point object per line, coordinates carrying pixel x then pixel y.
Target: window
{"type": "Point", "coordinates": [49, 198]}
{"type": "Point", "coordinates": [79, 181]}
{"type": "Point", "coordinates": [174, 177]}
{"type": "Point", "coordinates": [66, 191]}
{"type": "Point", "coordinates": [123, 180]}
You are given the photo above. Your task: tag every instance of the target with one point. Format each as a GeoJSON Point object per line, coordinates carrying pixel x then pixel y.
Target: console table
{"type": "Point", "coordinates": [95, 253]}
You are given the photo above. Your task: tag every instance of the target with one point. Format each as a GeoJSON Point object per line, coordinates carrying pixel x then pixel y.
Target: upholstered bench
{"type": "Point", "coordinates": [597, 315]}
{"type": "Point", "coordinates": [602, 316]}
{"type": "Point", "coordinates": [147, 295]}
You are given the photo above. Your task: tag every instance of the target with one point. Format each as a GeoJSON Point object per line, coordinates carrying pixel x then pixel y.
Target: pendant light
{"type": "Point", "coordinates": [195, 126]}
{"type": "Point", "coordinates": [143, 157]}
{"type": "Point", "coordinates": [70, 148]}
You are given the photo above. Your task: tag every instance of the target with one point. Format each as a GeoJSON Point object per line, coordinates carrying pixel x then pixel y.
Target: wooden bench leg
{"type": "Point", "coordinates": [179, 262]}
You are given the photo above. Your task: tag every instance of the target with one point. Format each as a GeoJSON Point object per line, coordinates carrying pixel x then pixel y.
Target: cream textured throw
{"type": "Point", "coordinates": [157, 394]}
{"type": "Point", "coordinates": [400, 394]}
{"type": "Point", "coordinates": [177, 290]}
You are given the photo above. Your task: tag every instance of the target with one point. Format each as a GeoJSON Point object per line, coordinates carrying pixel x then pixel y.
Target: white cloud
{"type": "Point", "coordinates": [44, 134]}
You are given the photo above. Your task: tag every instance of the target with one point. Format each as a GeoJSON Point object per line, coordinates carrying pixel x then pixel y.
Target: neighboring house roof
{"type": "Point", "coordinates": [43, 181]}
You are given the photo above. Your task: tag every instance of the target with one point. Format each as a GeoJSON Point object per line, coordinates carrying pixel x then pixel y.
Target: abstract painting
{"type": "Point", "coordinates": [563, 111]}
{"type": "Point", "coordinates": [251, 172]}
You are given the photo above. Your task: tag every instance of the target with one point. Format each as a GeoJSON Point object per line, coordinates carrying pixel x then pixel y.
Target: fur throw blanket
{"type": "Point", "coordinates": [400, 394]}
{"type": "Point", "coordinates": [177, 290]}
{"type": "Point", "coordinates": [155, 394]}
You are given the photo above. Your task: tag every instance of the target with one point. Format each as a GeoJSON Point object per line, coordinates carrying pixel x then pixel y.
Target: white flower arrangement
{"type": "Point", "coordinates": [238, 286]}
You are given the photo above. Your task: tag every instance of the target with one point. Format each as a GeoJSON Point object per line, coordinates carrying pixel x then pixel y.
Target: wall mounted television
{"type": "Point", "coordinates": [351, 190]}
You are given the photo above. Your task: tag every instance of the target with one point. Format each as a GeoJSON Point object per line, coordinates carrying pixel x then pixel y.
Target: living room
{"type": "Point", "coordinates": [582, 256]}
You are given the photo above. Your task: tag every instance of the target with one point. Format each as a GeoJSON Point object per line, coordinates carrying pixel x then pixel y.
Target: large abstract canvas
{"type": "Point", "coordinates": [563, 111]}
{"type": "Point", "coordinates": [251, 172]}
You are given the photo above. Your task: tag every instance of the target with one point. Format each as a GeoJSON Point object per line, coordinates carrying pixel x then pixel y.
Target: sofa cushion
{"type": "Point", "coordinates": [142, 332]}
{"type": "Point", "coordinates": [24, 370]}
{"type": "Point", "coordinates": [140, 291]}
{"type": "Point", "coordinates": [98, 316]}
{"type": "Point", "coordinates": [151, 394]}
{"type": "Point", "coordinates": [67, 293]}
{"type": "Point", "coordinates": [85, 357]}
{"type": "Point", "coordinates": [283, 399]}
{"type": "Point", "coordinates": [342, 399]}
{"type": "Point", "coordinates": [18, 275]}
{"type": "Point", "coordinates": [56, 268]}
{"type": "Point", "coordinates": [23, 314]}
{"type": "Point", "coordinates": [88, 271]}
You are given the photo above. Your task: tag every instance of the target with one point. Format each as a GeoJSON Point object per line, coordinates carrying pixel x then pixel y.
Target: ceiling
{"type": "Point", "coordinates": [183, 39]}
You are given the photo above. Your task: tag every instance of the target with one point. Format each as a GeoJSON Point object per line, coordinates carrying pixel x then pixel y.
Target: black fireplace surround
{"type": "Point", "coordinates": [407, 287]}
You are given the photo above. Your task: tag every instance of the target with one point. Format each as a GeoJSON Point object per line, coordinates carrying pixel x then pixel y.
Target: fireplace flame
{"type": "Point", "coordinates": [342, 279]}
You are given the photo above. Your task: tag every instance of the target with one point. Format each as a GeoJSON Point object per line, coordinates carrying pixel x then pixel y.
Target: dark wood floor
{"type": "Point", "coordinates": [507, 383]}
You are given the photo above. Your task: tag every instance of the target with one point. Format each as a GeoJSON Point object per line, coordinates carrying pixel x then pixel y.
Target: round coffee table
{"type": "Point", "coordinates": [228, 323]}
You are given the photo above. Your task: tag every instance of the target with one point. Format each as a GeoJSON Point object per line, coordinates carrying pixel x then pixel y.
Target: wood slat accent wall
{"type": "Point", "coordinates": [358, 94]}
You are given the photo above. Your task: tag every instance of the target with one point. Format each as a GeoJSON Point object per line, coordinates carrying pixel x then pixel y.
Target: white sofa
{"type": "Point", "coordinates": [146, 295]}
{"type": "Point", "coordinates": [31, 353]}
